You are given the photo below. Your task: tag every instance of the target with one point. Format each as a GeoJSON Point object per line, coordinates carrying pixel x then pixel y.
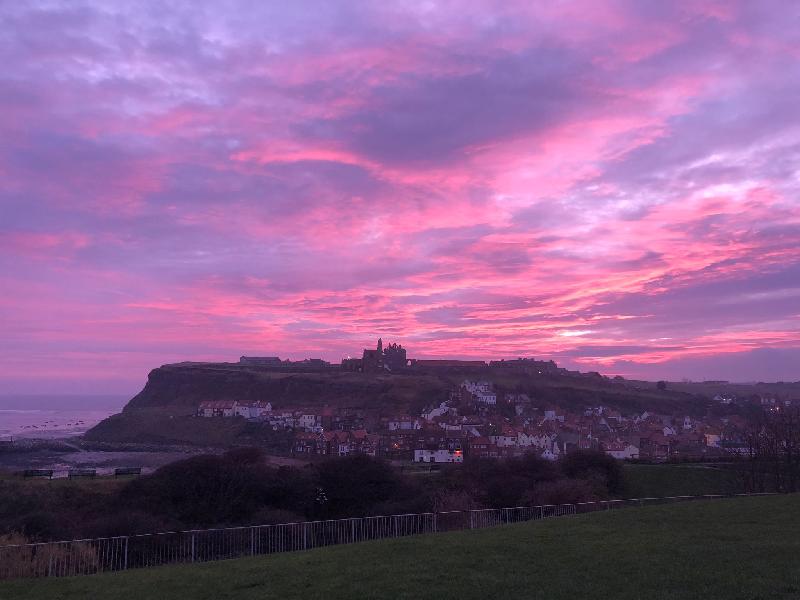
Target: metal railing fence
{"type": "Point", "coordinates": [100, 555]}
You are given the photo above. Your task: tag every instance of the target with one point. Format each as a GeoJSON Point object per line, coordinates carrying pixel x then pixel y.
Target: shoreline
{"type": "Point", "coordinates": [64, 453]}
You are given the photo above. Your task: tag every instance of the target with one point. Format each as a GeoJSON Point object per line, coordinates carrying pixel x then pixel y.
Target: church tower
{"type": "Point", "coordinates": [380, 345]}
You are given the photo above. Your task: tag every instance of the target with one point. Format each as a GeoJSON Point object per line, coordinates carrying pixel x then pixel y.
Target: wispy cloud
{"type": "Point", "coordinates": [611, 184]}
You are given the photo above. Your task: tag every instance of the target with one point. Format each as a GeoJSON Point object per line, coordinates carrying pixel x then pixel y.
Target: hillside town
{"type": "Point", "coordinates": [479, 420]}
{"type": "Point", "coordinates": [475, 422]}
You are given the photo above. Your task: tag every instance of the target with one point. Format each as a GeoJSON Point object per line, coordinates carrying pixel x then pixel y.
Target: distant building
{"type": "Point", "coordinates": [217, 408]}
{"type": "Point", "coordinates": [391, 358]}
{"type": "Point", "coordinates": [232, 408]}
{"type": "Point", "coordinates": [445, 363]}
{"type": "Point", "coordinates": [439, 456]}
{"type": "Point", "coordinates": [352, 364]}
{"type": "Point", "coordinates": [404, 423]}
{"type": "Point", "coordinates": [621, 450]}
{"type": "Point", "coordinates": [372, 360]}
{"type": "Point", "coordinates": [482, 391]}
{"type": "Point", "coordinates": [311, 362]}
{"type": "Point", "coordinates": [394, 357]}
{"type": "Point", "coordinates": [529, 365]}
{"type": "Point", "coordinates": [260, 361]}
{"type": "Point", "coordinates": [253, 410]}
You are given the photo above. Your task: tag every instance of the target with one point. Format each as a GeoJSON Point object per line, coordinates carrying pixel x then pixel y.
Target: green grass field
{"type": "Point", "coordinates": [744, 548]}
{"type": "Point", "coordinates": [659, 481]}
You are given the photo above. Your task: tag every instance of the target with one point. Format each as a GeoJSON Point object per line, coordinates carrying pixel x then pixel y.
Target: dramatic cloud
{"type": "Point", "coordinates": [615, 185]}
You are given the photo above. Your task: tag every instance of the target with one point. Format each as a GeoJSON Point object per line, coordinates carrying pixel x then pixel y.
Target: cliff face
{"type": "Point", "coordinates": [161, 412]}
{"type": "Point", "coordinates": [179, 388]}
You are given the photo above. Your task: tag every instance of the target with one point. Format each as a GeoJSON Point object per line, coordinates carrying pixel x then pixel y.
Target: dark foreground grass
{"type": "Point", "coordinates": [744, 548]}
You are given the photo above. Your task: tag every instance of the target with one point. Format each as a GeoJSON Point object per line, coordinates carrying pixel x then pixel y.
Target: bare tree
{"type": "Point", "coordinates": [772, 450]}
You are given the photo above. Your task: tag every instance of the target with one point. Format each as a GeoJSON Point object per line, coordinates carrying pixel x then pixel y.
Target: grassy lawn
{"type": "Point", "coordinates": [658, 481]}
{"type": "Point", "coordinates": [744, 548]}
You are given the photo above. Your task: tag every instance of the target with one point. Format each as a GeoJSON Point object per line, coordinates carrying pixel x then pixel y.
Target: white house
{"type": "Point", "coordinates": [260, 409]}
{"type": "Point", "coordinates": [552, 415]}
{"type": "Point", "coordinates": [430, 415]}
{"type": "Point", "coordinates": [486, 398]}
{"type": "Point", "coordinates": [622, 450]}
{"type": "Point", "coordinates": [551, 452]}
{"type": "Point", "coordinates": [439, 456]}
{"type": "Point", "coordinates": [404, 423]}
{"type": "Point", "coordinates": [508, 439]}
{"type": "Point", "coordinates": [482, 390]}
{"type": "Point", "coordinates": [450, 426]}
{"type": "Point", "coordinates": [233, 408]}
{"type": "Point", "coordinates": [281, 420]}
{"type": "Point", "coordinates": [307, 422]}
{"type": "Point", "coordinates": [217, 408]}
{"type": "Point", "coordinates": [541, 440]}
{"type": "Point", "coordinates": [524, 440]}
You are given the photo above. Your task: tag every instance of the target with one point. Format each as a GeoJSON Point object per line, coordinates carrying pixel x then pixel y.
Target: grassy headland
{"type": "Point", "coordinates": [161, 412]}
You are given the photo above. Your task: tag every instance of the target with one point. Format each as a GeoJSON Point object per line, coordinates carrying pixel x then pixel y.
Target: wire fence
{"type": "Point", "coordinates": [100, 555]}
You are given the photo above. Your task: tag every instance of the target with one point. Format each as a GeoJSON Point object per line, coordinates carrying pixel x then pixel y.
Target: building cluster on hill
{"type": "Point", "coordinates": [479, 421]}
{"type": "Point", "coordinates": [393, 358]}
{"type": "Point", "coordinates": [274, 362]}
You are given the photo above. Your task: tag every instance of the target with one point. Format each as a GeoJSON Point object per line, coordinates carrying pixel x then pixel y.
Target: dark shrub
{"type": "Point", "coordinates": [603, 471]}
{"type": "Point", "coordinates": [276, 516]}
{"type": "Point", "coordinates": [203, 490]}
{"type": "Point", "coordinates": [40, 525]}
{"type": "Point", "coordinates": [562, 491]}
{"type": "Point", "coordinates": [353, 486]}
{"type": "Point", "coordinates": [127, 522]}
{"type": "Point", "coordinates": [502, 483]}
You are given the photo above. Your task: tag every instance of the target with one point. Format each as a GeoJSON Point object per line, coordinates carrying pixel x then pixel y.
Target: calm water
{"type": "Point", "coordinates": [54, 416]}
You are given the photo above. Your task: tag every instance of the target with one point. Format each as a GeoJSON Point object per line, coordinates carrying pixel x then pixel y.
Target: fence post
{"type": "Point", "coordinates": [64, 558]}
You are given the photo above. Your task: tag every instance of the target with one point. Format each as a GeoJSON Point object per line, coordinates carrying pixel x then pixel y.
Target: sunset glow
{"type": "Point", "coordinates": [611, 185]}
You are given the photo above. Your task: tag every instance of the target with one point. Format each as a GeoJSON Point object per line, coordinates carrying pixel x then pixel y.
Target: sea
{"type": "Point", "coordinates": [54, 416]}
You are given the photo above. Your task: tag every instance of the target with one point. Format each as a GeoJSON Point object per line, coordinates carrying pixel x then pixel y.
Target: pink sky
{"type": "Point", "coordinates": [613, 185]}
